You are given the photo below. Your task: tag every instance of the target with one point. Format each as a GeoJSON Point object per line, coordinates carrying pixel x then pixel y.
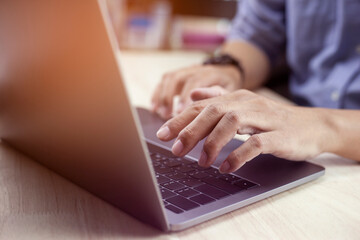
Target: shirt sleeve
{"type": "Point", "coordinates": [261, 22]}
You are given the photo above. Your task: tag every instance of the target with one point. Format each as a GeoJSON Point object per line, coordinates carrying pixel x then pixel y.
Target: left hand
{"type": "Point", "coordinates": [294, 133]}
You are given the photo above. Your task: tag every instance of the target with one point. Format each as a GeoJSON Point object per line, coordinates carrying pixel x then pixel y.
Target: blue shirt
{"type": "Point", "coordinates": [322, 43]}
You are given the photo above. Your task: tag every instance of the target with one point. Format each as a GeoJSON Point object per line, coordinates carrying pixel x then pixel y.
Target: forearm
{"type": "Point", "coordinates": [343, 135]}
{"type": "Point", "coordinates": [254, 61]}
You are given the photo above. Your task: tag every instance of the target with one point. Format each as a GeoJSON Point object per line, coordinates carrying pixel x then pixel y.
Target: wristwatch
{"type": "Point", "coordinates": [226, 59]}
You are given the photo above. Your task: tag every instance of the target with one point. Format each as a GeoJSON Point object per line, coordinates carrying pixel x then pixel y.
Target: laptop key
{"type": "Point", "coordinates": [173, 209]}
{"type": "Point", "coordinates": [186, 161]}
{"type": "Point", "coordinates": [165, 194]}
{"type": "Point", "coordinates": [173, 185]}
{"type": "Point", "coordinates": [213, 171]}
{"type": "Point", "coordinates": [183, 203]}
{"type": "Point", "coordinates": [225, 186]}
{"type": "Point", "coordinates": [199, 175]}
{"type": "Point", "coordinates": [156, 164]}
{"type": "Point", "coordinates": [202, 199]}
{"type": "Point", "coordinates": [185, 169]}
{"type": "Point", "coordinates": [187, 192]}
{"type": "Point", "coordinates": [245, 184]}
{"type": "Point", "coordinates": [176, 176]}
{"type": "Point", "coordinates": [197, 167]}
{"type": "Point", "coordinates": [163, 169]}
{"type": "Point", "coordinates": [229, 178]}
{"type": "Point", "coordinates": [171, 163]}
{"type": "Point", "coordinates": [211, 191]}
{"type": "Point", "coordinates": [161, 179]}
{"type": "Point", "coordinates": [191, 182]}
{"type": "Point", "coordinates": [155, 156]}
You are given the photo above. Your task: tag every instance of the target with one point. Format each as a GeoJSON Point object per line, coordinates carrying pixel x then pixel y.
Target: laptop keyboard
{"type": "Point", "coordinates": [184, 185]}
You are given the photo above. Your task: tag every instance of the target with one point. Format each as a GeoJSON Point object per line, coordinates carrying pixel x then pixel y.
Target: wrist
{"type": "Point", "coordinates": [232, 65]}
{"type": "Point", "coordinates": [235, 76]}
{"type": "Point", "coordinates": [329, 133]}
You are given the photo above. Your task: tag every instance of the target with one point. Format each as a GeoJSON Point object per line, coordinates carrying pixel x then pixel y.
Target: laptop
{"type": "Point", "coordinates": [63, 102]}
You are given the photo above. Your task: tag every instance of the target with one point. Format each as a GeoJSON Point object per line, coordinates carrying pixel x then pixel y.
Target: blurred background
{"type": "Point", "coordinates": [171, 24]}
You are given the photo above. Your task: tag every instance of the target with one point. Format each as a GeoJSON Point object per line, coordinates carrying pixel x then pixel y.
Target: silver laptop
{"type": "Point", "coordinates": [63, 102]}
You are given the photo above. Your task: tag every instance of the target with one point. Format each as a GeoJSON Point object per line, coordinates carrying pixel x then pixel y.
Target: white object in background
{"type": "Point", "coordinates": [161, 16]}
{"type": "Point", "coordinates": [148, 31]}
{"type": "Point", "coordinates": [138, 32]}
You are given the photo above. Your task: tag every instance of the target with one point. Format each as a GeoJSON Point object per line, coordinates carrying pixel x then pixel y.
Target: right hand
{"type": "Point", "coordinates": [184, 81]}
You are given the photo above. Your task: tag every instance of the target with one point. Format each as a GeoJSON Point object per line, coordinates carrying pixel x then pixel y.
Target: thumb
{"type": "Point", "coordinates": [208, 92]}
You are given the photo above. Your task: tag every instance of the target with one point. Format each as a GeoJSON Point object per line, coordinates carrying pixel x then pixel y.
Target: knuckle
{"type": "Point", "coordinates": [175, 126]}
{"type": "Point", "coordinates": [256, 141]}
{"type": "Point", "coordinates": [196, 107]}
{"type": "Point", "coordinates": [188, 86]}
{"type": "Point", "coordinates": [187, 133]}
{"type": "Point", "coordinates": [161, 98]}
{"type": "Point", "coordinates": [258, 101]}
{"type": "Point", "coordinates": [233, 117]}
{"type": "Point", "coordinates": [177, 79]}
{"type": "Point", "coordinates": [210, 145]}
{"type": "Point", "coordinates": [168, 98]}
{"type": "Point", "coordinates": [214, 109]}
{"type": "Point", "coordinates": [233, 155]}
{"type": "Point", "coordinates": [194, 78]}
{"type": "Point", "coordinates": [235, 159]}
{"type": "Point", "coordinates": [172, 78]}
{"type": "Point", "coordinates": [164, 99]}
{"type": "Point", "coordinates": [244, 92]}
{"type": "Point", "coordinates": [167, 76]}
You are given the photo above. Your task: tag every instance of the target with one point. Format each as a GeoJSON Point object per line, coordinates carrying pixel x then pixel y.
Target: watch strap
{"type": "Point", "coordinates": [226, 59]}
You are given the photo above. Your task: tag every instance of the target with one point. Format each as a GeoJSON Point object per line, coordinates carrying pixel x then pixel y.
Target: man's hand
{"type": "Point", "coordinates": [184, 81]}
{"type": "Point", "coordinates": [285, 131]}
{"type": "Point", "coordinates": [208, 92]}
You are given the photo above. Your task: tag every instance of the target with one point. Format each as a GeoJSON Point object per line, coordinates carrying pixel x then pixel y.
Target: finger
{"type": "Point", "coordinates": [200, 94]}
{"type": "Point", "coordinates": [207, 92]}
{"type": "Point", "coordinates": [249, 120]}
{"type": "Point", "coordinates": [198, 129]}
{"type": "Point", "coordinates": [171, 128]}
{"type": "Point", "coordinates": [158, 104]}
{"type": "Point", "coordinates": [155, 101]}
{"type": "Point", "coordinates": [179, 107]}
{"type": "Point", "coordinates": [223, 132]}
{"type": "Point", "coordinates": [184, 98]}
{"type": "Point", "coordinates": [171, 87]}
{"type": "Point", "coordinates": [254, 146]}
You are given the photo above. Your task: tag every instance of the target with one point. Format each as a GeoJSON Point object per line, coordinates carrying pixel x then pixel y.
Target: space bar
{"type": "Point", "coordinates": [227, 187]}
{"type": "Point", "coordinates": [182, 202]}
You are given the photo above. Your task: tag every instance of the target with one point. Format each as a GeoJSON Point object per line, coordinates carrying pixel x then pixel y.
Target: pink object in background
{"type": "Point", "coordinates": [202, 41]}
{"type": "Point", "coordinates": [199, 33]}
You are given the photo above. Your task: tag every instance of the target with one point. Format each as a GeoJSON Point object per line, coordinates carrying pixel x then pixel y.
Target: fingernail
{"type": "Point", "coordinates": [224, 168]}
{"type": "Point", "coordinates": [203, 159]}
{"type": "Point", "coordinates": [163, 132]}
{"type": "Point", "coordinates": [177, 147]}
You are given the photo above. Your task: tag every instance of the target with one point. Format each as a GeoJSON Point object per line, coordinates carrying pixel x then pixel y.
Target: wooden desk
{"type": "Point", "coordinates": [36, 203]}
